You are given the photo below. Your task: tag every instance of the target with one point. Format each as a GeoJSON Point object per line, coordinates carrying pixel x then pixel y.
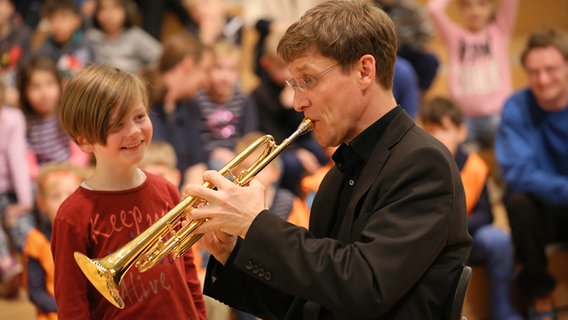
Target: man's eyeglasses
{"type": "Point", "coordinates": [306, 84]}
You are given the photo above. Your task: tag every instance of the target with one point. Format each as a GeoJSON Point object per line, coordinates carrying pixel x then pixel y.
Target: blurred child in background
{"type": "Point", "coordinates": [65, 43]}
{"type": "Point", "coordinates": [405, 87]}
{"type": "Point", "coordinates": [40, 88]}
{"type": "Point", "coordinates": [181, 73]}
{"type": "Point", "coordinates": [266, 17]}
{"type": "Point", "coordinates": [225, 112]}
{"type": "Point", "coordinates": [117, 41]}
{"type": "Point", "coordinates": [15, 48]}
{"type": "Point", "coordinates": [492, 244]}
{"type": "Point", "coordinates": [160, 159]}
{"type": "Point", "coordinates": [276, 116]}
{"type": "Point", "coordinates": [16, 195]}
{"type": "Point", "coordinates": [413, 30]}
{"type": "Point", "coordinates": [210, 21]}
{"type": "Point", "coordinates": [479, 67]}
{"type": "Point", "coordinates": [55, 183]}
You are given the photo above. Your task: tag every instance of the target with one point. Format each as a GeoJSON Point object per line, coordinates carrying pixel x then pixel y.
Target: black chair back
{"type": "Point", "coordinates": [457, 298]}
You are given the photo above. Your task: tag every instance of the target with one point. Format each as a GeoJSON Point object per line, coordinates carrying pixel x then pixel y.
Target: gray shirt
{"type": "Point", "coordinates": [131, 51]}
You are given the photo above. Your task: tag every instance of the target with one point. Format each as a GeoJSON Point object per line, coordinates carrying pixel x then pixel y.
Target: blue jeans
{"type": "Point", "coordinates": [494, 248]}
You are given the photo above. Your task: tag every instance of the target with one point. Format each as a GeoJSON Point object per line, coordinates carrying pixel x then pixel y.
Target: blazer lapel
{"type": "Point", "coordinates": [398, 127]}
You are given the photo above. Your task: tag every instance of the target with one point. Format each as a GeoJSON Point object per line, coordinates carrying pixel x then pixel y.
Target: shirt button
{"type": "Point", "coordinates": [267, 276]}
{"type": "Point", "coordinates": [261, 272]}
{"type": "Point", "coordinates": [351, 182]}
{"type": "Point", "coordinates": [248, 265]}
{"type": "Point", "coordinates": [255, 269]}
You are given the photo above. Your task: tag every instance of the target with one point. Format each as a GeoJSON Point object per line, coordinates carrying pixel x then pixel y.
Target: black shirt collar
{"type": "Point", "coordinates": [348, 157]}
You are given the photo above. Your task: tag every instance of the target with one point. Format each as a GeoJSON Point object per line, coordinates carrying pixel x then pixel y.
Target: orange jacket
{"type": "Point", "coordinates": [38, 247]}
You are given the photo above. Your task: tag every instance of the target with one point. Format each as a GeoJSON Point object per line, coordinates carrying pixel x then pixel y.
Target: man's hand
{"type": "Point", "coordinates": [230, 208]}
{"type": "Point", "coordinates": [219, 244]}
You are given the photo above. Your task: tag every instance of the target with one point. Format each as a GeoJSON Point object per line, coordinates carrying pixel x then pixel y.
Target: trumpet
{"type": "Point", "coordinates": [169, 234]}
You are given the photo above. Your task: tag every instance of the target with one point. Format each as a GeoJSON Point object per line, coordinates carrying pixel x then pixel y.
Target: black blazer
{"type": "Point", "coordinates": [397, 256]}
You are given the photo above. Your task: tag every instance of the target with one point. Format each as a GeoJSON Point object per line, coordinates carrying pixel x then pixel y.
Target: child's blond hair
{"type": "Point", "coordinates": [160, 153]}
{"type": "Point", "coordinates": [223, 48]}
{"type": "Point", "coordinates": [48, 170]}
{"type": "Point", "coordinates": [91, 97]}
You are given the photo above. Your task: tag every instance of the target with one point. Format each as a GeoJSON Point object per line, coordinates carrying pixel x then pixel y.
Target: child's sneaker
{"type": "Point", "coordinates": [542, 308]}
{"type": "Point", "coordinates": [10, 278]}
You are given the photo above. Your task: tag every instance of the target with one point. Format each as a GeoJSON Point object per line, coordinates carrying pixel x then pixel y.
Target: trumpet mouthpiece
{"type": "Point", "coordinates": [306, 125]}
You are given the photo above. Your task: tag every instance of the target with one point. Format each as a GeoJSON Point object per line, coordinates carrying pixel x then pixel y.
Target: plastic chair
{"type": "Point", "coordinates": [457, 298]}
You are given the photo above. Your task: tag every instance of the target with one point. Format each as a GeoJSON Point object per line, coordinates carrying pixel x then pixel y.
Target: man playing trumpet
{"type": "Point", "coordinates": [388, 233]}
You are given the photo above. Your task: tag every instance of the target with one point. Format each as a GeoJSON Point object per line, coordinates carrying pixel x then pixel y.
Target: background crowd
{"type": "Point", "coordinates": [215, 82]}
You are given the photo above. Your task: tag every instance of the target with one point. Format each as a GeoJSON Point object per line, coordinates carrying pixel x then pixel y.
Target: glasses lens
{"type": "Point", "coordinates": [295, 84]}
{"type": "Point", "coordinates": [289, 83]}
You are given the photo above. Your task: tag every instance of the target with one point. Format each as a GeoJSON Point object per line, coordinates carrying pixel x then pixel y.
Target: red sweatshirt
{"type": "Point", "coordinates": [97, 223]}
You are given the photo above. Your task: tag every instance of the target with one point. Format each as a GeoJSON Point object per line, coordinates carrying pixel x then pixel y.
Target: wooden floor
{"type": "Point", "coordinates": [476, 306]}
{"type": "Point", "coordinates": [21, 309]}
{"type": "Point", "coordinates": [17, 309]}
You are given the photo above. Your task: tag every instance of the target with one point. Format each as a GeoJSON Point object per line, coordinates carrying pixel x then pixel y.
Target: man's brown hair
{"type": "Point", "coordinates": [344, 31]}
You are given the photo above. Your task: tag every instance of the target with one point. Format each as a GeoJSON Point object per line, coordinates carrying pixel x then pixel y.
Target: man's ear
{"type": "Point", "coordinates": [85, 145]}
{"type": "Point", "coordinates": [367, 69]}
